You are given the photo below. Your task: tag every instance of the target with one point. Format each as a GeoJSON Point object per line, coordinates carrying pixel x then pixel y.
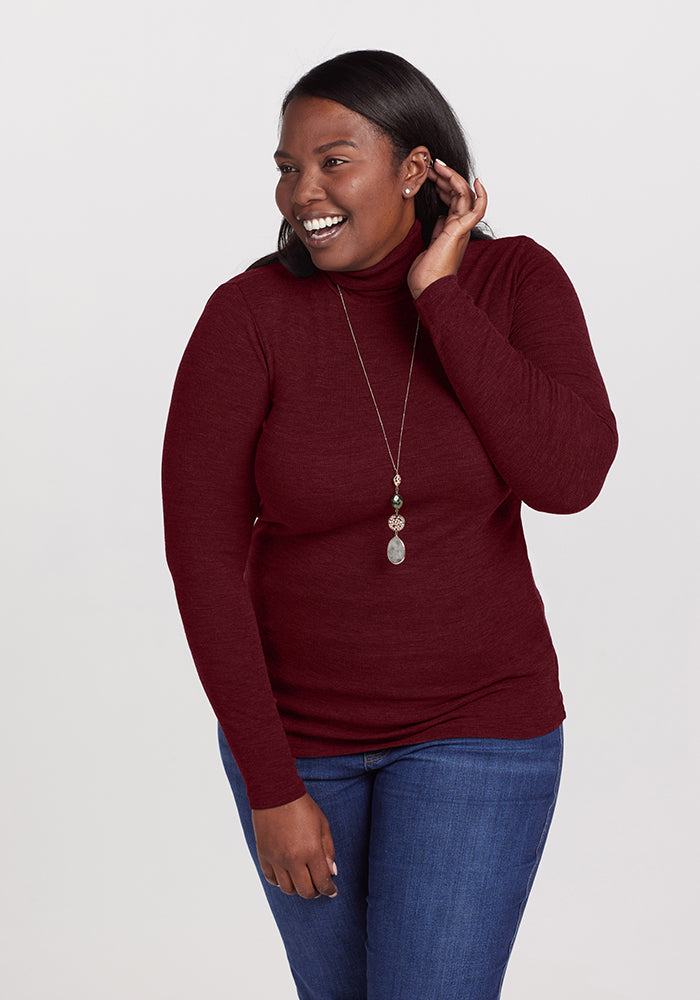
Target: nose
{"type": "Point", "coordinates": [308, 188]}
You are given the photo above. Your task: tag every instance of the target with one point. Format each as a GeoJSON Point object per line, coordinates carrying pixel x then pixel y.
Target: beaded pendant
{"type": "Point", "coordinates": [396, 550]}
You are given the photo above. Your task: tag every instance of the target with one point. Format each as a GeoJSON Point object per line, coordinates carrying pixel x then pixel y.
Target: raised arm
{"type": "Point", "coordinates": [534, 396]}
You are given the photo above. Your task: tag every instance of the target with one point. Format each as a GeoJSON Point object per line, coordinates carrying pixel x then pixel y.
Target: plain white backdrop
{"type": "Point", "coordinates": [137, 175]}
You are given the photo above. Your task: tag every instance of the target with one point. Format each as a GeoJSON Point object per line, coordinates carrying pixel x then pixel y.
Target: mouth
{"type": "Point", "coordinates": [320, 231]}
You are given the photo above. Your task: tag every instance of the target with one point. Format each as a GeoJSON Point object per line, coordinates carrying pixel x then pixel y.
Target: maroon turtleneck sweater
{"type": "Point", "coordinates": [277, 487]}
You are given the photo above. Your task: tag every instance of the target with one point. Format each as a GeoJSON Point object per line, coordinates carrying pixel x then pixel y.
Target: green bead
{"type": "Point", "coordinates": [397, 501]}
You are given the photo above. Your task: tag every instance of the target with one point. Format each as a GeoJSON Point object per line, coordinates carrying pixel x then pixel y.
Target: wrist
{"type": "Point", "coordinates": [417, 288]}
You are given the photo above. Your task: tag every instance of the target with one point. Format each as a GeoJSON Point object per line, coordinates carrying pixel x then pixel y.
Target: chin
{"type": "Point", "coordinates": [332, 262]}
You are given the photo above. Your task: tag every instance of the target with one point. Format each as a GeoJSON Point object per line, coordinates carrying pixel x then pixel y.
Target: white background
{"type": "Point", "coordinates": [137, 175]}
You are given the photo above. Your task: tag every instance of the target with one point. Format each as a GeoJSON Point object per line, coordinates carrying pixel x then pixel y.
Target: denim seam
{"type": "Point", "coordinates": [538, 858]}
{"type": "Point", "coordinates": [370, 759]}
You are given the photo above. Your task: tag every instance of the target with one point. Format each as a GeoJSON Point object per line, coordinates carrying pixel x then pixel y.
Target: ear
{"type": "Point", "coordinates": [414, 170]}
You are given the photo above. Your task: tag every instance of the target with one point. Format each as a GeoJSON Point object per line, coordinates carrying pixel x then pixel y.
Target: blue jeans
{"type": "Point", "coordinates": [437, 845]}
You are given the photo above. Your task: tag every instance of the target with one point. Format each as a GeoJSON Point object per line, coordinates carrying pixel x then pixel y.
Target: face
{"type": "Point", "coordinates": [340, 187]}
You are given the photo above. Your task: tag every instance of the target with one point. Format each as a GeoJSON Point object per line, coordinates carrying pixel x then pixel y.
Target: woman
{"type": "Point", "coordinates": [354, 426]}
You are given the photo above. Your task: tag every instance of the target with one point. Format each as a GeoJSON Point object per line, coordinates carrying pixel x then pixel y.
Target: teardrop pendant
{"type": "Point", "coordinates": [396, 551]}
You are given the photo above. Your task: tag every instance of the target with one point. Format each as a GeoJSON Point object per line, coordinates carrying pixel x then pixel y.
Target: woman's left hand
{"type": "Point", "coordinates": [452, 231]}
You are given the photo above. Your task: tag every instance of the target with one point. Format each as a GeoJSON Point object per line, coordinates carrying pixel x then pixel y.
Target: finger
{"type": "Point", "coordinates": [303, 882]}
{"type": "Point", "coordinates": [286, 882]}
{"type": "Point", "coordinates": [322, 866]}
{"type": "Point", "coordinates": [462, 202]}
{"type": "Point", "coordinates": [456, 201]}
{"type": "Point", "coordinates": [453, 189]}
{"type": "Point", "coordinates": [449, 176]}
{"type": "Point", "coordinates": [478, 208]}
{"type": "Point", "coordinates": [320, 873]}
{"type": "Point", "coordinates": [442, 190]}
{"type": "Point", "coordinates": [268, 871]}
{"type": "Point", "coordinates": [328, 847]}
{"type": "Point", "coordinates": [482, 197]}
{"type": "Point", "coordinates": [467, 219]}
{"type": "Point", "coordinates": [442, 181]}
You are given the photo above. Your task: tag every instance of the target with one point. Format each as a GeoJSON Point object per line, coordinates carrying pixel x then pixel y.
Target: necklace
{"type": "Point", "coordinates": [395, 550]}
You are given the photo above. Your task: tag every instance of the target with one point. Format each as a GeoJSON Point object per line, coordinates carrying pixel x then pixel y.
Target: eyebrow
{"type": "Point", "coordinates": [320, 149]}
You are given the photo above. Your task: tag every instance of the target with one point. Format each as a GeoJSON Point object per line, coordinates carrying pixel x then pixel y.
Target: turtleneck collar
{"type": "Point", "coordinates": [387, 278]}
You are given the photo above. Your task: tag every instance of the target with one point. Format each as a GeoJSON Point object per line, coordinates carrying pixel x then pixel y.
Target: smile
{"type": "Point", "coordinates": [311, 225]}
{"type": "Point", "coordinates": [322, 230]}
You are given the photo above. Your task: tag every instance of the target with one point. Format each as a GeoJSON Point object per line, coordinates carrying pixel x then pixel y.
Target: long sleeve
{"type": "Point", "coordinates": [535, 396]}
{"type": "Point", "coordinates": [308, 642]}
{"type": "Point", "coordinates": [220, 400]}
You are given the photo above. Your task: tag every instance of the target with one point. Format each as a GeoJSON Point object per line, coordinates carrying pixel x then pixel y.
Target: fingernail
{"type": "Point", "coordinates": [334, 868]}
{"type": "Point", "coordinates": [333, 896]}
{"type": "Point", "coordinates": [441, 162]}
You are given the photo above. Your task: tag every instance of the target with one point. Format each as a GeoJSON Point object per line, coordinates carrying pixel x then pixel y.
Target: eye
{"type": "Point", "coordinates": [285, 168]}
{"type": "Point", "coordinates": [333, 161]}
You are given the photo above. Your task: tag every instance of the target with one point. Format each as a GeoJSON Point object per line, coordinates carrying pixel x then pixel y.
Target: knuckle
{"type": "Point", "coordinates": [290, 858]}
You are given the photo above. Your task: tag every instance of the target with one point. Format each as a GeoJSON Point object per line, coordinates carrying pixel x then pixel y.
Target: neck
{"type": "Point", "coordinates": [387, 278]}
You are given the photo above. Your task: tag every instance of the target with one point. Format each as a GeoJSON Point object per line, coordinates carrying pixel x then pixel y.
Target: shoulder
{"type": "Point", "coordinates": [269, 287]}
{"type": "Point", "coordinates": [519, 260]}
{"type": "Point", "coordinates": [504, 249]}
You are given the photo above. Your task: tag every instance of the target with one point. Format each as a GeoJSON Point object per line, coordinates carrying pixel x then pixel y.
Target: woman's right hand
{"type": "Point", "coordinates": [295, 848]}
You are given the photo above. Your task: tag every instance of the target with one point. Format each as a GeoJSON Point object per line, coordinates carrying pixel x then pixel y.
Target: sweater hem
{"type": "Point", "coordinates": [454, 729]}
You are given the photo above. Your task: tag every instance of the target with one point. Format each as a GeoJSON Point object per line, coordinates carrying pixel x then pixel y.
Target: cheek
{"type": "Point", "coordinates": [283, 198]}
{"type": "Point", "coordinates": [384, 196]}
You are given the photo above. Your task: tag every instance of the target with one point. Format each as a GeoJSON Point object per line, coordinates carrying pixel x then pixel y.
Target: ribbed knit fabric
{"type": "Point", "coordinates": [308, 641]}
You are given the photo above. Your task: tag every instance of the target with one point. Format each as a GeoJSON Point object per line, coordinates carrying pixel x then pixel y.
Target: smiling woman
{"type": "Point", "coordinates": [354, 427]}
{"type": "Point", "coordinates": [337, 166]}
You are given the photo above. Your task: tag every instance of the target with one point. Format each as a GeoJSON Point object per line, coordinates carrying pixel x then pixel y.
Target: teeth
{"type": "Point", "coordinates": [311, 225]}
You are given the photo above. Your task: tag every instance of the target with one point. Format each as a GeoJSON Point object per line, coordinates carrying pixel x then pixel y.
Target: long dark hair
{"type": "Point", "coordinates": [407, 107]}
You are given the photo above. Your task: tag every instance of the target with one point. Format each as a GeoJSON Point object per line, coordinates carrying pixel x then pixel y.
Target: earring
{"type": "Point", "coordinates": [406, 190]}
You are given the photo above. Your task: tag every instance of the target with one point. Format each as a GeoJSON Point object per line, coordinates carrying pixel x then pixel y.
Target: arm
{"type": "Point", "coordinates": [536, 398]}
{"type": "Point", "coordinates": [220, 399]}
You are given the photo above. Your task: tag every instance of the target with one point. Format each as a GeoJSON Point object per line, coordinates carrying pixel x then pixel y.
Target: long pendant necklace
{"type": "Point", "coordinates": [395, 550]}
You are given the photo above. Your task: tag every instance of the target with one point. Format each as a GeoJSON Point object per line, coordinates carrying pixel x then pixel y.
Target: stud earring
{"type": "Point", "coordinates": [406, 190]}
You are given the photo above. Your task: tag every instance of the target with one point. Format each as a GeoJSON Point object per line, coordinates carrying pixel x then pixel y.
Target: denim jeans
{"type": "Point", "coordinates": [437, 845]}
